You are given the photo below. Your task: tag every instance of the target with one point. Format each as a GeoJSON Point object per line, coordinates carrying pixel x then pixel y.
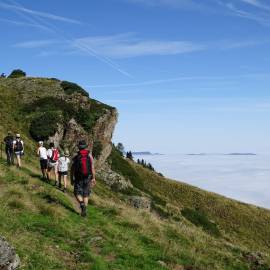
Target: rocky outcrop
{"type": "Point", "coordinates": [113, 179]}
{"type": "Point", "coordinates": [69, 136]}
{"type": "Point", "coordinates": [9, 260]}
{"type": "Point", "coordinates": [140, 202]}
{"type": "Point", "coordinates": [103, 132]}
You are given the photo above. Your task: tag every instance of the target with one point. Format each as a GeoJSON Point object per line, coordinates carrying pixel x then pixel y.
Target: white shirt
{"type": "Point", "coordinates": [42, 152]}
{"type": "Point", "coordinates": [49, 153]}
{"type": "Point", "coordinates": [63, 164]}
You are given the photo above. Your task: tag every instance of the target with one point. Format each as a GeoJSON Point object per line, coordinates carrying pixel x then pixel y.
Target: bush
{"type": "Point", "coordinates": [71, 88]}
{"type": "Point", "coordinates": [45, 125]}
{"type": "Point", "coordinates": [199, 218]}
{"type": "Point", "coordinates": [97, 149]}
{"type": "Point", "coordinates": [17, 73]}
{"type": "Point", "coordinates": [121, 166]}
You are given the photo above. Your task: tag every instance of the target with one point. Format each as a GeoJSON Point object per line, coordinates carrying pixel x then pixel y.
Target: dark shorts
{"type": "Point", "coordinates": [43, 164]}
{"type": "Point", "coordinates": [62, 173]}
{"type": "Point", "coordinates": [82, 187]}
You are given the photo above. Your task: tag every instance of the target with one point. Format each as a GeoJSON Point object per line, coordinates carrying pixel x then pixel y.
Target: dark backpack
{"type": "Point", "coordinates": [9, 142]}
{"type": "Point", "coordinates": [83, 164]}
{"type": "Point", "coordinates": [18, 146]}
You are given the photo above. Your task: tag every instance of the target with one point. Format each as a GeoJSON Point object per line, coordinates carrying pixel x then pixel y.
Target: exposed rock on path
{"type": "Point", "coordinates": [9, 260]}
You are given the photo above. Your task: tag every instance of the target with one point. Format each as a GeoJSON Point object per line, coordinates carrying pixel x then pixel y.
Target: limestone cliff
{"type": "Point", "coordinates": [64, 113]}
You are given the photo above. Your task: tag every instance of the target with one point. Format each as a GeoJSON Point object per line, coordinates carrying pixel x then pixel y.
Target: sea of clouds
{"type": "Point", "coordinates": [243, 177]}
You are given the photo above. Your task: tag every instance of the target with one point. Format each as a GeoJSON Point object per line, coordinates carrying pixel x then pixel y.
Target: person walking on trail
{"type": "Point", "coordinates": [82, 176]}
{"type": "Point", "coordinates": [18, 149]}
{"type": "Point", "coordinates": [42, 153]}
{"type": "Point", "coordinates": [8, 140]}
{"type": "Point", "coordinates": [63, 164]}
{"type": "Point", "coordinates": [53, 157]}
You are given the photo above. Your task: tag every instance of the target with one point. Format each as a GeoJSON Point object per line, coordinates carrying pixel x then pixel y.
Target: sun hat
{"type": "Point", "coordinates": [82, 144]}
{"type": "Point", "coordinates": [18, 135]}
{"type": "Point", "coordinates": [40, 142]}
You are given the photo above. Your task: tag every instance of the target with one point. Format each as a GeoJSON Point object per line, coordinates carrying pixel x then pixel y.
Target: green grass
{"type": "Point", "coordinates": [187, 227]}
{"type": "Point", "coordinates": [114, 236]}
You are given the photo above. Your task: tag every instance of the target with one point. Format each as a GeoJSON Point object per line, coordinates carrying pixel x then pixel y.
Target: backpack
{"type": "Point", "coordinates": [55, 155]}
{"type": "Point", "coordinates": [9, 142]}
{"type": "Point", "coordinates": [18, 146]}
{"type": "Point", "coordinates": [83, 164]}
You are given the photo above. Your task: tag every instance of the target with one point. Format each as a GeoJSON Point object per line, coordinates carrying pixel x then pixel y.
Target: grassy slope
{"type": "Point", "coordinates": [44, 226]}
{"type": "Point", "coordinates": [239, 222]}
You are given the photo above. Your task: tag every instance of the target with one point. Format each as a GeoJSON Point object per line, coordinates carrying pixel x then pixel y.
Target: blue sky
{"type": "Point", "coordinates": [185, 75]}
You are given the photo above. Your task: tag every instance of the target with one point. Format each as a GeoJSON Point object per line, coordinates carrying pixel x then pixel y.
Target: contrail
{"type": "Point", "coordinates": [70, 40]}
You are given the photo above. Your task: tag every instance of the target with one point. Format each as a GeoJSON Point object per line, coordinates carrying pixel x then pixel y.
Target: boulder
{"type": "Point", "coordinates": [9, 260]}
{"type": "Point", "coordinates": [114, 180]}
{"type": "Point", "coordinates": [140, 202]}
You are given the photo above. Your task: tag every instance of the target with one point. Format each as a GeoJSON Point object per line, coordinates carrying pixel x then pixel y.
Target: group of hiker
{"type": "Point", "coordinates": [52, 161]}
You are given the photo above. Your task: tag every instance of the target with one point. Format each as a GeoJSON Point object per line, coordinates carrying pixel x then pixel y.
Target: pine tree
{"type": "Point", "coordinates": [120, 147]}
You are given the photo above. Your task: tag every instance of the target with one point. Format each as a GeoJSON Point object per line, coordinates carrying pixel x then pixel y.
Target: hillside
{"type": "Point", "coordinates": [177, 226]}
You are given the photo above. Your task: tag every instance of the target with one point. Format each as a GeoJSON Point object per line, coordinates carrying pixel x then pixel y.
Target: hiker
{"type": "Point", "coordinates": [53, 157]}
{"type": "Point", "coordinates": [63, 169]}
{"type": "Point", "coordinates": [42, 153]}
{"type": "Point", "coordinates": [18, 149]}
{"type": "Point", "coordinates": [82, 176]}
{"type": "Point", "coordinates": [8, 140]}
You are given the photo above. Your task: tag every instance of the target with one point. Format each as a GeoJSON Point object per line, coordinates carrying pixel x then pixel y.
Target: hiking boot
{"type": "Point", "coordinates": [55, 183]}
{"type": "Point", "coordinates": [65, 190]}
{"type": "Point", "coordinates": [83, 213]}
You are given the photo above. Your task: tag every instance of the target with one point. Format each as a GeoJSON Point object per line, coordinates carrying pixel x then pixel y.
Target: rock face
{"type": "Point", "coordinates": [9, 260]}
{"type": "Point", "coordinates": [103, 132]}
{"type": "Point", "coordinates": [100, 119]}
{"type": "Point", "coordinates": [113, 179]}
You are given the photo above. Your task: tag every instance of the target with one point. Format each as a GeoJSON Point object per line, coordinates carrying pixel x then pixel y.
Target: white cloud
{"type": "Point", "coordinates": [21, 23]}
{"type": "Point", "coordinates": [38, 13]}
{"type": "Point", "coordinates": [183, 4]}
{"type": "Point", "coordinates": [126, 45]}
{"type": "Point", "coordinates": [257, 3]}
{"type": "Point", "coordinates": [36, 44]}
{"type": "Point", "coordinates": [257, 14]}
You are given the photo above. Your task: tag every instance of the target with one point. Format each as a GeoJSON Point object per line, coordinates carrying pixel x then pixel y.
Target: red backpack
{"type": "Point", "coordinates": [55, 155]}
{"type": "Point", "coordinates": [83, 164]}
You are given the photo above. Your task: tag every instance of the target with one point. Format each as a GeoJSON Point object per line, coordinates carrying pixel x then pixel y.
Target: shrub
{"type": "Point", "coordinates": [71, 88]}
{"type": "Point", "coordinates": [199, 218]}
{"type": "Point", "coordinates": [120, 165]}
{"type": "Point", "coordinates": [17, 73]}
{"type": "Point", "coordinates": [49, 104]}
{"type": "Point", "coordinates": [45, 125]}
{"type": "Point", "coordinates": [97, 149]}
{"type": "Point", "coordinates": [87, 118]}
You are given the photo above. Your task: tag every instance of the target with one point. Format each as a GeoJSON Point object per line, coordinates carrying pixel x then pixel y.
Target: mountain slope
{"type": "Point", "coordinates": [187, 228]}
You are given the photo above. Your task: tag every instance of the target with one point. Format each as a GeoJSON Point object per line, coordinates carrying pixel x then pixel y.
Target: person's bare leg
{"type": "Point", "coordinates": [65, 181]}
{"type": "Point", "coordinates": [79, 198]}
{"type": "Point", "coordinates": [18, 161]}
{"type": "Point", "coordinates": [85, 200]}
{"type": "Point", "coordinates": [55, 173]}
